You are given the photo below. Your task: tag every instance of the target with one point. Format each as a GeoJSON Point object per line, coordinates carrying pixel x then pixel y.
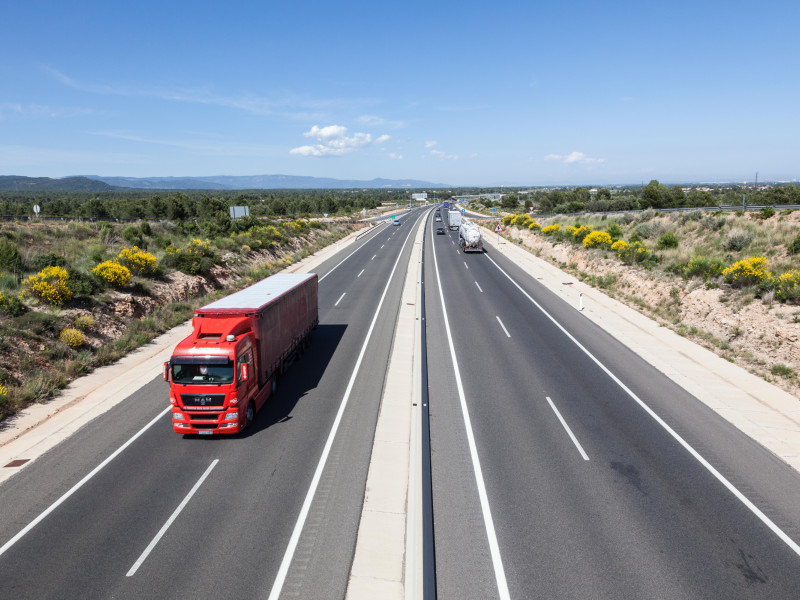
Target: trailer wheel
{"type": "Point", "coordinates": [249, 415]}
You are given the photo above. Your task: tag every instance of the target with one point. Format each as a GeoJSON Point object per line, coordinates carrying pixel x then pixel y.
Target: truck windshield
{"type": "Point", "coordinates": [200, 374]}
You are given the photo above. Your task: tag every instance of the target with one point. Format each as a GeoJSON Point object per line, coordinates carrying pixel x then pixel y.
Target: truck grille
{"type": "Point", "coordinates": [203, 399]}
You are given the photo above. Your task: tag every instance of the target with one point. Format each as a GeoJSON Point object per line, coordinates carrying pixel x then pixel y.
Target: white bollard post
{"type": "Point", "coordinates": [580, 304]}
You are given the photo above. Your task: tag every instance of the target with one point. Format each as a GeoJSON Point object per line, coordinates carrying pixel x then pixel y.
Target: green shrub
{"type": "Point", "coordinates": [10, 259]}
{"type": "Point", "coordinates": [668, 240]}
{"type": "Point", "coordinates": [84, 323]}
{"type": "Point", "coordinates": [614, 230]}
{"type": "Point", "coordinates": [11, 305]}
{"type": "Point", "coordinates": [133, 235]}
{"type": "Point", "coordinates": [48, 260]}
{"type": "Point", "coordinates": [737, 239]}
{"type": "Point", "coordinates": [706, 268]}
{"type": "Point", "coordinates": [144, 227]}
{"type": "Point", "coordinates": [782, 370]}
{"type": "Point", "coordinates": [81, 283]}
{"type": "Point", "coordinates": [794, 246]}
{"type": "Point", "coordinates": [767, 212]}
{"type": "Point", "coordinates": [39, 323]}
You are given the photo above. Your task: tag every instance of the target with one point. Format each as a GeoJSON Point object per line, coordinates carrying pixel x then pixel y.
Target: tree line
{"type": "Point", "coordinates": [653, 195]}
{"type": "Point", "coordinates": [190, 205]}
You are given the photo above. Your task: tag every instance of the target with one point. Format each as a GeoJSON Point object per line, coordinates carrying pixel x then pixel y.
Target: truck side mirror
{"type": "Point", "coordinates": [244, 371]}
{"type": "Point", "coordinates": [166, 371]}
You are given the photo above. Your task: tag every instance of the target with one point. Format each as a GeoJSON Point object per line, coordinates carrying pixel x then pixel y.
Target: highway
{"type": "Point", "coordinates": [559, 484]}
{"type": "Point", "coordinates": [173, 516]}
{"type": "Point", "coordinates": [563, 465]}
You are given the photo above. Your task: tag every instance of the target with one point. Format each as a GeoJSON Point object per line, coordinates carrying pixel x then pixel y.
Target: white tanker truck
{"type": "Point", "coordinates": [469, 237]}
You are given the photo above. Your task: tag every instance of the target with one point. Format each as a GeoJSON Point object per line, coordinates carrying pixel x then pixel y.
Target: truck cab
{"type": "Point", "coordinates": [211, 375]}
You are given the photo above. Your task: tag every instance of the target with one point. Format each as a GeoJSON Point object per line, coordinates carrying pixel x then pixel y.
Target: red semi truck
{"type": "Point", "coordinates": [221, 375]}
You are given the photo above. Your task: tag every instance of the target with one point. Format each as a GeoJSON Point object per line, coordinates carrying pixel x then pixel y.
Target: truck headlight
{"type": "Point", "coordinates": [178, 416]}
{"type": "Point", "coordinates": [231, 415]}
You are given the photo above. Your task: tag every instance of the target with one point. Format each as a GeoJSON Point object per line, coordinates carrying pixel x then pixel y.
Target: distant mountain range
{"type": "Point", "coordinates": [17, 183]}
{"type": "Point", "coordinates": [97, 183]}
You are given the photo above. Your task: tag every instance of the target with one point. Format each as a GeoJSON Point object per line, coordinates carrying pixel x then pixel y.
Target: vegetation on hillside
{"type": "Point", "coordinates": [77, 295]}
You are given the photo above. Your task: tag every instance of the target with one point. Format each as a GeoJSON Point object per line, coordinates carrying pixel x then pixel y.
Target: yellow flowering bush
{"type": "Point", "coordinates": [635, 252]}
{"type": "Point", "coordinates": [71, 337]}
{"type": "Point", "coordinates": [788, 286]}
{"type": "Point", "coordinates": [581, 232]}
{"type": "Point", "coordinates": [49, 285]}
{"type": "Point", "coordinates": [595, 239]}
{"type": "Point", "coordinates": [112, 273]}
{"type": "Point", "coordinates": [3, 393]}
{"type": "Point", "coordinates": [534, 225]}
{"type": "Point", "coordinates": [138, 261]}
{"type": "Point", "coordinates": [508, 220]}
{"type": "Point", "coordinates": [295, 227]}
{"type": "Point", "coordinates": [551, 229]}
{"type": "Point", "coordinates": [570, 229]}
{"type": "Point", "coordinates": [750, 271]}
{"type": "Point", "coordinates": [522, 221]}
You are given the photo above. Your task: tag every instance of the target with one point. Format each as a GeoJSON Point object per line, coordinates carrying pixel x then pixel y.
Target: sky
{"type": "Point", "coordinates": [462, 93]}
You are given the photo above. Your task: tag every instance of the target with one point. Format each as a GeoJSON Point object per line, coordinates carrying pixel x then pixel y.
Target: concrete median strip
{"type": "Point", "coordinates": [388, 552]}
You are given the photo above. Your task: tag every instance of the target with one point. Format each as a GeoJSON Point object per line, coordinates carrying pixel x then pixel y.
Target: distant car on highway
{"type": "Point", "coordinates": [440, 230]}
{"type": "Point", "coordinates": [396, 222]}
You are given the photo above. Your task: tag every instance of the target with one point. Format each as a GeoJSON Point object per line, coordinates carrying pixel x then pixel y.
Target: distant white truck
{"type": "Point", "coordinates": [469, 237]}
{"type": "Point", "coordinates": [454, 219]}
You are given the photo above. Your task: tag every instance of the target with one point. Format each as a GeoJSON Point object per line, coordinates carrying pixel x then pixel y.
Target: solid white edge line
{"type": "Point", "coordinates": [709, 467]}
{"type": "Point", "coordinates": [348, 256]}
{"type": "Point", "coordinates": [569, 431]}
{"type": "Point", "coordinates": [340, 299]}
{"type": "Point", "coordinates": [494, 548]}
{"type": "Point", "coordinates": [80, 484]}
{"type": "Point", "coordinates": [283, 570]}
{"type": "Point", "coordinates": [503, 326]}
{"type": "Point", "coordinates": [171, 519]}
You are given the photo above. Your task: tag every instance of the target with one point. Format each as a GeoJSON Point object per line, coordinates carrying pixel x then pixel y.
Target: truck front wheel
{"type": "Point", "coordinates": [249, 415]}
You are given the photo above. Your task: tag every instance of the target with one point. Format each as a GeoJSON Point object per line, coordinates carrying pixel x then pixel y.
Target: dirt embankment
{"type": "Point", "coordinates": [760, 336]}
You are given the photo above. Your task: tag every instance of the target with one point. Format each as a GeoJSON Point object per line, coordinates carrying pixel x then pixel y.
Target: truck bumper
{"type": "Point", "coordinates": [207, 422]}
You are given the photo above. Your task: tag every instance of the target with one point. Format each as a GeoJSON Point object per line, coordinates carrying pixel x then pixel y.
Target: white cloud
{"type": "Point", "coordinates": [334, 141]}
{"type": "Point", "coordinates": [443, 156]}
{"type": "Point", "coordinates": [39, 111]}
{"type": "Point", "coordinates": [394, 156]}
{"type": "Point", "coordinates": [430, 144]}
{"type": "Point", "coordinates": [374, 121]}
{"type": "Point", "coordinates": [574, 158]}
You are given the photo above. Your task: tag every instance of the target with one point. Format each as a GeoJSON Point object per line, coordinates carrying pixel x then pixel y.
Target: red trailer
{"type": "Point", "coordinates": [221, 375]}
